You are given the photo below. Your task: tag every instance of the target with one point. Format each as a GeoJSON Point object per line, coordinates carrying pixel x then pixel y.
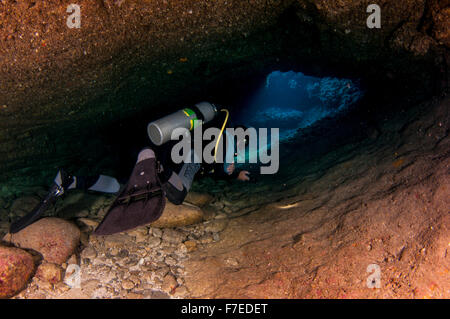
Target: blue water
{"type": "Point", "coordinates": [292, 100]}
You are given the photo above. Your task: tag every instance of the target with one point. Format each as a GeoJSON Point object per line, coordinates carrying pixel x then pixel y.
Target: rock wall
{"type": "Point", "coordinates": [382, 202]}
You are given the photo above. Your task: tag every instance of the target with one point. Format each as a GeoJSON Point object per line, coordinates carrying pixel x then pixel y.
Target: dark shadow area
{"type": "Point", "coordinates": [109, 143]}
{"type": "Point", "coordinates": [127, 136]}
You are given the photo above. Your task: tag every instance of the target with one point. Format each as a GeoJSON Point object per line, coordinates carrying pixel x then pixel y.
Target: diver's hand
{"type": "Point", "coordinates": [243, 176]}
{"type": "Point", "coordinates": [230, 169]}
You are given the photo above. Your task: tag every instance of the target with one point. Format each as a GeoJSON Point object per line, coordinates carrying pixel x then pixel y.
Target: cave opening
{"type": "Point", "coordinates": [292, 101]}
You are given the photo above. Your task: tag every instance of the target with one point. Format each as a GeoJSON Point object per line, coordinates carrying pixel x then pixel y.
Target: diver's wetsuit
{"type": "Point", "coordinates": [99, 183]}
{"type": "Point", "coordinates": [177, 178]}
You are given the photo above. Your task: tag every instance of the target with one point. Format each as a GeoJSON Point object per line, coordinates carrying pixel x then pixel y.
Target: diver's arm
{"type": "Point", "coordinates": [219, 172]}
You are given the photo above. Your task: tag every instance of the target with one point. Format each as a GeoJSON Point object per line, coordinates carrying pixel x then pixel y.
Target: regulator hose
{"type": "Point", "coordinates": [221, 131]}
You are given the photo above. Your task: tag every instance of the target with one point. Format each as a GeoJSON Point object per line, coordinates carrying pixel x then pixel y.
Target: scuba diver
{"type": "Point", "coordinates": [154, 177]}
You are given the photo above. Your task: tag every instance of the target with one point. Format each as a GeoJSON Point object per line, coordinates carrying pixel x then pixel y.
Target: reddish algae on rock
{"type": "Point", "coordinates": [16, 267]}
{"type": "Point", "coordinates": [55, 238]}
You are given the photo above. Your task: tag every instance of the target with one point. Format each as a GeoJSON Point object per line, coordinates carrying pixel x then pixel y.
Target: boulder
{"type": "Point", "coordinates": [173, 236]}
{"type": "Point", "coordinates": [169, 284]}
{"type": "Point", "coordinates": [179, 215]}
{"type": "Point", "coordinates": [198, 199]}
{"type": "Point", "coordinates": [216, 226]}
{"type": "Point", "coordinates": [16, 267]}
{"type": "Point", "coordinates": [49, 272]}
{"type": "Point", "coordinates": [56, 239]}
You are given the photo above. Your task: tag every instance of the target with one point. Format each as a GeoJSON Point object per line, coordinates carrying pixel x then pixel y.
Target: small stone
{"type": "Point", "coordinates": [173, 236]}
{"type": "Point", "coordinates": [117, 240]}
{"type": "Point", "coordinates": [206, 239]}
{"type": "Point", "coordinates": [88, 222]}
{"type": "Point", "coordinates": [180, 292]}
{"type": "Point", "coordinates": [157, 232]}
{"type": "Point", "coordinates": [61, 287]}
{"type": "Point", "coordinates": [141, 238]}
{"type": "Point", "coordinates": [181, 250]}
{"type": "Point", "coordinates": [162, 272]}
{"type": "Point", "coordinates": [153, 242]}
{"type": "Point", "coordinates": [169, 284]}
{"type": "Point", "coordinates": [49, 272]}
{"type": "Point", "coordinates": [135, 279]}
{"type": "Point", "coordinates": [216, 226]}
{"type": "Point", "coordinates": [89, 252]}
{"type": "Point", "coordinates": [113, 251]}
{"type": "Point", "coordinates": [141, 231]}
{"type": "Point", "coordinates": [170, 261]}
{"type": "Point", "coordinates": [190, 245]}
{"type": "Point", "coordinates": [157, 282]}
{"type": "Point", "coordinates": [44, 285]}
{"type": "Point", "coordinates": [176, 270]}
{"type": "Point", "coordinates": [227, 202]}
{"type": "Point", "coordinates": [232, 262]}
{"type": "Point", "coordinates": [227, 210]}
{"type": "Point", "coordinates": [123, 253]}
{"type": "Point", "coordinates": [128, 284]}
{"type": "Point", "coordinates": [217, 204]}
{"type": "Point", "coordinates": [146, 277]}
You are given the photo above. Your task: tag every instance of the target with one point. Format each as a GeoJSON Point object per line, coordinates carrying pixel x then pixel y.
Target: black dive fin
{"type": "Point", "coordinates": [141, 202]}
{"type": "Point", "coordinates": [49, 199]}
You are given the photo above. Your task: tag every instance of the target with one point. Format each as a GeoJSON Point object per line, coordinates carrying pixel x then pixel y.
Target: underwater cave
{"type": "Point", "coordinates": [362, 180]}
